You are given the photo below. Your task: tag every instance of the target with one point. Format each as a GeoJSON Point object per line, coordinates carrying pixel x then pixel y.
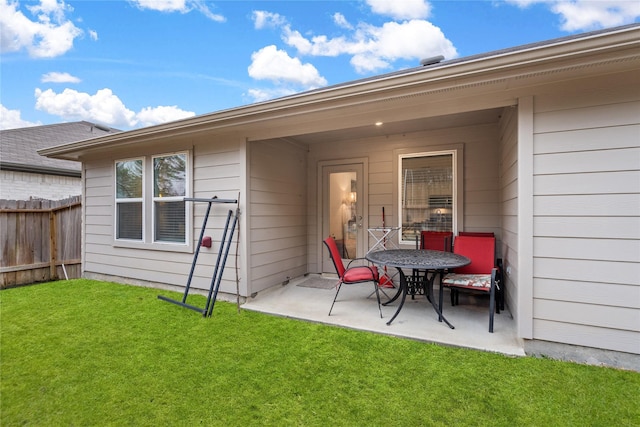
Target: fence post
{"type": "Point", "coordinates": [53, 250]}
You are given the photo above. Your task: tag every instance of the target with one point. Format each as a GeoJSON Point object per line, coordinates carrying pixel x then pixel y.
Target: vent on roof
{"type": "Point", "coordinates": [432, 60]}
{"type": "Point", "coordinates": [103, 128]}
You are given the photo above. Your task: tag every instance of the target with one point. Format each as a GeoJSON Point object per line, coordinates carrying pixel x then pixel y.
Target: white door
{"type": "Point", "coordinates": [343, 211]}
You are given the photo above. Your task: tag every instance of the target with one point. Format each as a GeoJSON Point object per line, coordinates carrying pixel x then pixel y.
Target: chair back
{"type": "Point", "coordinates": [476, 233]}
{"type": "Point", "coordinates": [480, 250]}
{"type": "Point", "coordinates": [334, 254]}
{"type": "Point", "coordinates": [436, 240]}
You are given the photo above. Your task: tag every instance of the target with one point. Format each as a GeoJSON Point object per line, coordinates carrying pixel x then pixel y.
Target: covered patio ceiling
{"type": "Point", "coordinates": [400, 127]}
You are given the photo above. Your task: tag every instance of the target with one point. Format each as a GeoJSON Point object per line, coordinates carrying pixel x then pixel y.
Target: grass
{"type": "Point", "coordinates": [91, 353]}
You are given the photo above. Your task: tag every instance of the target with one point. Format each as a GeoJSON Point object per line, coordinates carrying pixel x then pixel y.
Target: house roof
{"type": "Point", "coordinates": [19, 147]}
{"type": "Point", "coordinates": [349, 108]}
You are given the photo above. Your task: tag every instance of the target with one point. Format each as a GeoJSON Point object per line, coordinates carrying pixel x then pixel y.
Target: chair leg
{"type": "Point", "coordinates": [492, 300]}
{"type": "Point", "coordinates": [336, 297]}
{"type": "Point", "coordinates": [454, 296]}
{"type": "Point", "coordinates": [440, 300]}
{"type": "Point", "coordinates": [376, 285]}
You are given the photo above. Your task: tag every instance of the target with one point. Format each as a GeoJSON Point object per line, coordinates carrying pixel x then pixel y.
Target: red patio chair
{"type": "Point", "coordinates": [476, 233]}
{"type": "Point", "coordinates": [500, 292]}
{"type": "Point", "coordinates": [351, 275]}
{"type": "Point", "coordinates": [433, 240]}
{"type": "Point", "coordinates": [436, 240]}
{"type": "Point", "coordinates": [480, 275]}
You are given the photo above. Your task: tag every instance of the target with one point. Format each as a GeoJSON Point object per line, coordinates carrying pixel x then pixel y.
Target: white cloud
{"type": "Point", "coordinates": [340, 20]}
{"type": "Point", "coordinates": [584, 15]}
{"type": "Point", "coordinates": [103, 107]}
{"type": "Point", "coordinates": [401, 9]}
{"type": "Point", "coordinates": [55, 77]}
{"type": "Point", "coordinates": [588, 15]}
{"type": "Point", "coordinates": [263, 19]}
{"type": "Point", "coordinates": [163, 5]}
{"type": "Point", "coordinates": [93, 34]}
{"type": "Point", "coordinates": [259, 95]}
{"type": "Point", "coordinates": [48, 36]}
{"type": "Point", "coordinates": [373, 48]}
{"type": "Point", "coordinates": [181, 6]}
{"type": "Point", "coordinates": [269, 63]}
{"type": "Point", "coordinates": [10, 119]}
{"type": "Point", "coordinates": [149, 116]}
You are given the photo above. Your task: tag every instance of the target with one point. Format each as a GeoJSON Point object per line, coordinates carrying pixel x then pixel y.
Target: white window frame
{"type": "Point", "coordinates": [457, 185]}
{"type": "Point", "coordinates": [148, 210]}
{"type": "Point", "coordinates": [155, 199]}
{"type": "Point", "coordinates": [128, 200]}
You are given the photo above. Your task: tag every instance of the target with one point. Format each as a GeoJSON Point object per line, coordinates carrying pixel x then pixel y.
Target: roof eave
{"type": "Point", "coordinates": [40, 169]}
{"type": "Point", "coordinates": [472, 67]}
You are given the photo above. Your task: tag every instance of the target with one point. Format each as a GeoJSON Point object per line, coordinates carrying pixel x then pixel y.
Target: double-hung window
{"type": "Point", "coordinates": [428, 189]}
{"type": "Point", "coordinates": [150, 207]}
{"type": "Point", "coordinates": [129, 199]}
{"type": "Point", "coordinates": [169, 190]}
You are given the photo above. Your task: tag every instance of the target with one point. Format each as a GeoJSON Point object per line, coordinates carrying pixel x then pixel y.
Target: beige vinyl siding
{"type": "Point", "coordinates": [278, 216]}
{"type": "Point", "coordinates": [587, 216]}
{"type": "Point", "coordinates": [215, 172]}
{"type": "Point", "coordinates": [481, 180]}
{"type": "Point", "coordinates": [508, 170]}
{"type": "Point", "coordinates": [482, 184]}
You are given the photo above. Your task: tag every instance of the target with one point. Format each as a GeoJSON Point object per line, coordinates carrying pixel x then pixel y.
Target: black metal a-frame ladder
{"type": "Point", "coordinates": [223, 252]}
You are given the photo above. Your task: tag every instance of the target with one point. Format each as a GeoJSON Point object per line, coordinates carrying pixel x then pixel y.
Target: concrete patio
{"type": "Point", "coordinates": [309, 298]}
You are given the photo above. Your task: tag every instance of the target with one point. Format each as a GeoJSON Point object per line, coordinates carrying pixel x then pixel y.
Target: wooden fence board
{"type": "Point", "coordinates": [39, 237]}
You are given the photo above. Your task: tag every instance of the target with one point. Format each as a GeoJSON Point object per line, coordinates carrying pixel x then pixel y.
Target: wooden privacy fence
{"type": "Point", "coordinates": [40, 240]}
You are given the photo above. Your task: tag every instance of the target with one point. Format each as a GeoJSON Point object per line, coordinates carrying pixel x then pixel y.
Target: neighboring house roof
{"type": "Point", "coordinates": [286, 116]}
{"type": "Point", "coordinates": [19, 147]}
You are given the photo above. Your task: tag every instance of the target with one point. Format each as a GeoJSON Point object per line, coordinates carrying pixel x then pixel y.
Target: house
{"type": "Point", "coordinates": [539, 144]}
{"type": "Point", "coordinates": [25, 175]}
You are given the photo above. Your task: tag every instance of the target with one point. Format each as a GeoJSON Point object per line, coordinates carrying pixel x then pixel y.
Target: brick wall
{"type": "Point", "coordinates": [25, 186]}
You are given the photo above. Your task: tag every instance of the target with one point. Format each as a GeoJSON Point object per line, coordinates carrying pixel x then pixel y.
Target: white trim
{"type": "Point", "coordinates": [364, 161]}
{"type": "Point", "coordinates": [187, 193]}
{"type": "Point", "coordinates": [127, 200]}
{"type": "Point", "coordinates": [148, 233]}
{"type": "Point", "coordinates": [457, 187]}
{"type": "Point", "coordinates": [525, 218]}
{"type": "Point", "coordinates": [244, 209]}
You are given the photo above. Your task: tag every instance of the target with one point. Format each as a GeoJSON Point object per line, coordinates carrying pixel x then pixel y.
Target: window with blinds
{"type": "Point", "coordinates": [426, 193]}
{"type": "Point", "coordinates": [150, 194]}
{"type": "Point", "coordinates": [129, 199]}
{"type": "Point", "coordinates": [169, 190]}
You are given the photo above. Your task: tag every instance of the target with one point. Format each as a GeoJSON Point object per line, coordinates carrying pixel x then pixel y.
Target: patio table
{"type": "Point", "coordinates": [417, 259]}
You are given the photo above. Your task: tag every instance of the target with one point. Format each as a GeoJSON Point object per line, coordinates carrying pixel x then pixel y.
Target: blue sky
{"type": "Point", "coordinates": [136, 63]}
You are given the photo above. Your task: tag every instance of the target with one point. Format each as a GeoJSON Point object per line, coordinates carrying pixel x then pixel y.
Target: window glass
{"type": "Point", "coordinates": [169, 190]}
{"type": "Point", "coordinates": [169, 221]}
{"type": "Point", "coordinates": [129, 201]}
{"type": "Point", "coordinates": [129, 179]}
{"type": "Point", "coordinates": [169, 176]}
{"type": "Point", "coordinates": [426, 193]}
{"type": "Point", "coordinates": [129, 219]}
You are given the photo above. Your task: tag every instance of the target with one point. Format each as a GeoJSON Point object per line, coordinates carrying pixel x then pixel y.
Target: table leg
{"type": "Point", "coordinates": [432, 300]}
{"type": "Point", "coordinates": [401, 291]}
{"type": "Point", "coordinates": [395, 297]}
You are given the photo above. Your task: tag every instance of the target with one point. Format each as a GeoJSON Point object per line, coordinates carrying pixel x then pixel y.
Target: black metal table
{"type": "Point", "coordinates": [417, 259]}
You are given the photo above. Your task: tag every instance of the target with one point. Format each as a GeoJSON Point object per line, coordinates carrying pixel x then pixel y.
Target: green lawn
{"type": "Point", "coordinates": [89, 353]}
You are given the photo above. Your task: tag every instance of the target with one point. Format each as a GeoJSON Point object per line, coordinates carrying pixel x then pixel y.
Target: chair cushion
{"type": "Point", "coordinates": [475, 281]}
{"type": "Point", "coordinates": [360, 274]}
